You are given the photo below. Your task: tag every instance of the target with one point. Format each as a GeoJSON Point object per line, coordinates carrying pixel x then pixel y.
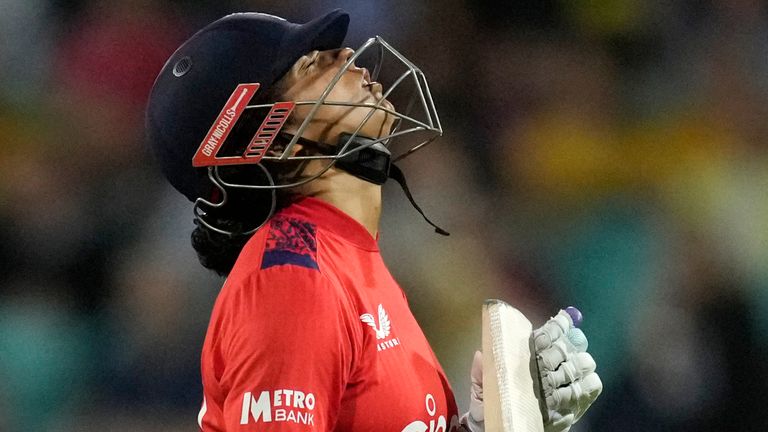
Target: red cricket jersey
{"type": "Point", "coordinates": [311, 333]}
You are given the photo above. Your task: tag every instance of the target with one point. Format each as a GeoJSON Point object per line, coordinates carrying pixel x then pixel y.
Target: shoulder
{"type": "Point", "coordinates": [282, 254]}
{"type": "Point", "coordinates": [284, 241]}
{"type": "Point", "coordinates": [277, 287]}
{"type": "Point", "coordinates": [284, 259]}
{"type": "Point", "coordinates": [265, 296]}
{"type": "Point", "coordinates": [284, 293]}
{"type": "Point", "coordinates": [290, 241]}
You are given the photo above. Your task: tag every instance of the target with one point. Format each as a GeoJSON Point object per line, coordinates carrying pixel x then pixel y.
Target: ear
{"type": "Point", "coordinates": [280, 142]}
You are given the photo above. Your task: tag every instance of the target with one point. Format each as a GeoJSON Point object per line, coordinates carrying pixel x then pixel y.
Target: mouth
{"type": "Point", "coordinates": [375, 88]}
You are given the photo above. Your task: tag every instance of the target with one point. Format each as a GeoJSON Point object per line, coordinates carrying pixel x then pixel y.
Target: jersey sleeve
{"type": "Point", "coordinates": [289, 343]}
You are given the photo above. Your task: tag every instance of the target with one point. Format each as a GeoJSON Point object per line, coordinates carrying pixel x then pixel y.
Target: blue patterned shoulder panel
{"type": "Point", "coordinates": [290, 242]}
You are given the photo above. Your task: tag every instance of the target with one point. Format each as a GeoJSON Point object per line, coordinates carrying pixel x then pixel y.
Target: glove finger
{"type": "Point", "coordinates": [577, 396]}
{"type": "Point", "coordinates": [560, 423]}
{"type": "Point", "coordinates": [592, 387]}
{"type": "Point", "coordinates": [578, 339]}
{"type": "Point", "coordinates": [552, 330]}
{"type": "Point", "coordinates": [476, 373]}
{"type": "Point", "coordinates": [550, 358]}
{"type": "Point", "coordinates": [575, 368]}
{"type": "Point", "coordinates": [476, 410]}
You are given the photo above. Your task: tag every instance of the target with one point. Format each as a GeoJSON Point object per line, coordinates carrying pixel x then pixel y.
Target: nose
{"type": "Point", "coordinates": [337, 56]}
{"type": "Point", "coordinates": [344, 54]}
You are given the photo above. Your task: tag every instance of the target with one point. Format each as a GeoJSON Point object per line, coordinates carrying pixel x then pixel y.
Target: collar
{"type": "Point", "coordinates": [329, 218]}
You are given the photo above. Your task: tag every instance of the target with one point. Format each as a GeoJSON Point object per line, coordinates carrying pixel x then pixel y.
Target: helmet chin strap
{"type": "Point", "coordinates": [372, 163]}
{"type": "Point", "coordinates": [396, 174]}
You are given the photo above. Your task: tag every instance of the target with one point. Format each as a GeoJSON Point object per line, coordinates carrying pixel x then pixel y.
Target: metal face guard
{"type": "Point", "coordinates": [418, 124]}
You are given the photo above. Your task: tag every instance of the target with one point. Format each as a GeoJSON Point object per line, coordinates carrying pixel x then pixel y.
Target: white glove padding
{"type": "Point", "coordinates": [580, 365]}
{"type": "Point", "coordinates": [576, 397]}
{"type": "Point", "coordinates": [554, 329]}
{"type": "Point", "coordinates": [568, 376]}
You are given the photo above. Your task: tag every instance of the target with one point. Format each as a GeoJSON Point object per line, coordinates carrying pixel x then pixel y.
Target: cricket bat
{"type": "Point", "coordinates": [512, 396]}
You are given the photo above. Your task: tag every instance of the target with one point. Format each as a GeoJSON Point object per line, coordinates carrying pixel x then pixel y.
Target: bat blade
{"type": "Point", "coordinates": [511, 384]}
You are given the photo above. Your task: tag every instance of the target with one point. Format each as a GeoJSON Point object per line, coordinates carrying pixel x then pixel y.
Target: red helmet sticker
{"type": "Point", "coordinates": [233, 109]}
{"type": "Point", "coordinates": [217, 134]}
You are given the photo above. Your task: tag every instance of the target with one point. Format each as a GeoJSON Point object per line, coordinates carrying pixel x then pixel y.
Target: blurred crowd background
{"type": "Point", "coordinates": [610, 154]}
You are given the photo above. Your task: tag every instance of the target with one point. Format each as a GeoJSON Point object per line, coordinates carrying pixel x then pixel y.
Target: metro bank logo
{"type": "Point", "coordinates": [279, 406]}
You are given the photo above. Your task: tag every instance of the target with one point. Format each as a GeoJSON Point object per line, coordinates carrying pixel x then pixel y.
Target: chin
{"type": "Point", "coordinates": [383, 120]}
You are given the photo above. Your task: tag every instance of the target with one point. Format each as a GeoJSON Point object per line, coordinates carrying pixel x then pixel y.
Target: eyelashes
{"type": "Point", "coordinates": [307, 64]}
{"type": "Point", "coordinates": [312, 59]}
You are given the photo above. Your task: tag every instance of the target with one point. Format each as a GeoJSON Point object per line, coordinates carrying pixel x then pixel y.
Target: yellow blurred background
{"type": "Point", "coordinates": [607, 154]}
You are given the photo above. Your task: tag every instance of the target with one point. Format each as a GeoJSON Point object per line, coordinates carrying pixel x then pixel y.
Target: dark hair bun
{"type": "Point", "coordinates": [216, 251]}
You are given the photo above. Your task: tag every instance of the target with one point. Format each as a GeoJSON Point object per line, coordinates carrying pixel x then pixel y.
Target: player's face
{"type": "Point", "coordinates": [309, 78]}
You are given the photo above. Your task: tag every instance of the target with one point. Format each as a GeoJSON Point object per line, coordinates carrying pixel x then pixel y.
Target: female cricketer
{"type": "Point", "coordinates": [282, 142]}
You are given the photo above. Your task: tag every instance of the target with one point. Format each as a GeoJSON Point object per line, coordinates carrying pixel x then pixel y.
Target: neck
{"type": "Point", "coordinates": [358, 198]}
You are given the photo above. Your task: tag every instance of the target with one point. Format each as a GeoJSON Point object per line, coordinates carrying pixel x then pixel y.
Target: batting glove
{"type": "Point", "coordinates": [569, 382]}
